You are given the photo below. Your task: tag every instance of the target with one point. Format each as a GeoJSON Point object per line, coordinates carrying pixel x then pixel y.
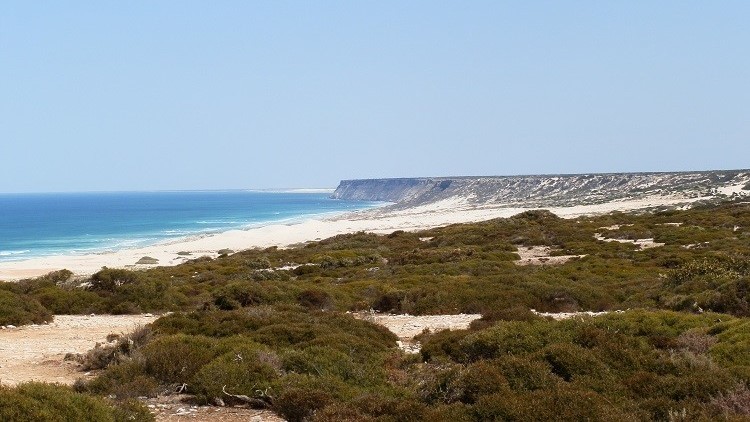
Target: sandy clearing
{"type": "Point", "coordinates": [559, 316]}
{"type": "Point", "coordinates": [540, 255]}
{"type": "Point", "coordinates": [641, 243]}
{"type": "Point", "coordinates": [406, 327]}
{"type": "Point", "coordinates": [36, 352]}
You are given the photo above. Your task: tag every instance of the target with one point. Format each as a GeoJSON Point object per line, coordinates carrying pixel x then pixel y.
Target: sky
{"type": "Point", "coordinates": [162, 95]}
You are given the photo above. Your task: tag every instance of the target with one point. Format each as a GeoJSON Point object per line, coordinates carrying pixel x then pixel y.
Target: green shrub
{"type": "Point", "coordinates": [733, 344]}
{"type": "Point", "coordinates": [514, 313]}
{"type": "Point", "coordinates": [116, 379]}
{"type": "Point", "coordinates": [47, 402]}
{"type": "Point", "coordinates": [314, 299]}
{"type": "Point", "coordinates": [248, 370]}
{"type": "Point", "coordinates": [101, 356]}
{"type": "Point", "coordinates": [337, 412]}
{"type": "Point", "coordinates": [108, 279]}
{"type": "Point", "coordinates": [510, 337]}
{"type": "Point", "coordinates": [436, 383]}
{"type": "Point", "coordinates": [321, 361]}
{"type": "Point", "coordinates": [568, 361]}
{"type": "Point", "coordinates": [240, 294]}
{"type": "Point", "coordinates": [69, 301]}
{"type": "Point", "coordinates": [177, 358]}
{"type": "Point", "coordinates": [59, 276]}
{"type": "Point", "coordinates": [18, 309]}
{"type": "Point", "coordinates": [300, 397]}
{"type": "Point", "coordinates": [480, 379]}
{"type": "Point", "coordinates": [523, 374]}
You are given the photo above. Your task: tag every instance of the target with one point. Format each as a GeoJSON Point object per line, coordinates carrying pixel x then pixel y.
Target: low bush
{"type": "Point", "coordinates": [249, 369]}
{"type": "Point", "coordinates": [19, 309]}
{"type": "Point", "coordinates": [314, 299]}
{"type": "Point", "coordinates": [108, 279]}
{"type": "Point", "coordinates": [47, 402]}
{"type": "Point", "coordinates": [177, 358]}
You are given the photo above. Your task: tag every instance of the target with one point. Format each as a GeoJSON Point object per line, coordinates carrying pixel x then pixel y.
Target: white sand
{"type": "Point", "coordinates": [730, 190]}
{"type": "Point", "coordinates": [377, 221]}
{"type": "Point", "coordinates": [541, 255]}
{"type": "Point", "coordinates": [406, 326]}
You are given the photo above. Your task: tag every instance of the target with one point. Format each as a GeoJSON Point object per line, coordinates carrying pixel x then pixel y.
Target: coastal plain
{"type": "Point", "coordinates": [435, 317]}
{"type": "Point", "coordinates": [420, 204]}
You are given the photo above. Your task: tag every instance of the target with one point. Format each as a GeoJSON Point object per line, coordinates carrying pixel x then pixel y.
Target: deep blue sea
{"type": "Point", "coordinates": [33, 225]}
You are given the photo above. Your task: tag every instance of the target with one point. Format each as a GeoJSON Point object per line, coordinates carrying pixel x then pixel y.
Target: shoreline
{"type": "Point", "coordinates": [380, 220]}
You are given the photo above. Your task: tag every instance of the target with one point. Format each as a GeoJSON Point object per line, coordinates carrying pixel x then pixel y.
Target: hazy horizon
{"type": "Point", "coordinates": [321, 189]}
{"type": "Point", "coordinates": [174, 96]}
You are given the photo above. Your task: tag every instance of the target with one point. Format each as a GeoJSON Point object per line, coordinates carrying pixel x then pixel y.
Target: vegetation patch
{"type": "Point", "coordinates": [252, 328]}
{"type": "Point", "coordinates": [46, 402]}
{"type": "Point", "coordinates": [20, 309]}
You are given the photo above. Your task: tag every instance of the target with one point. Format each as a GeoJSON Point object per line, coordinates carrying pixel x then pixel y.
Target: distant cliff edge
{"type": "Point", "coordinates": [548, 190]}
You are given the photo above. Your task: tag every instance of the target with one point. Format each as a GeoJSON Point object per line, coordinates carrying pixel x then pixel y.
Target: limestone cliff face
{"type": "Point", "coordinates": [389, 190]}
{"type": "Point", "coordinates": [546, 190]}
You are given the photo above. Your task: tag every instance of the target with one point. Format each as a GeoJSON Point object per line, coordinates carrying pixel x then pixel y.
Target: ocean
{"type": "Point", "coordinates": [37, 225]}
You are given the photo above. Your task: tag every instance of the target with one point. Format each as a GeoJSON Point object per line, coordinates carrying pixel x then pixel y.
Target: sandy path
{"type": "Point", "coordinates": [36, 352]}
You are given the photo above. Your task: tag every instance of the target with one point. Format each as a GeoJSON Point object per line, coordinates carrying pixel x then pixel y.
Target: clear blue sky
{"type": "Point", "coordinates": [113, 95]}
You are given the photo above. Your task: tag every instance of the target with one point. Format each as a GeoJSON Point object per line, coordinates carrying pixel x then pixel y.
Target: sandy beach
{"type": "Point", "coordinates": [379, 220]}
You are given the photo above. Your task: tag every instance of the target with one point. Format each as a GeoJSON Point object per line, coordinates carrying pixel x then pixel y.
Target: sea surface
{"type": "Point", "coordinates": [34, 225]}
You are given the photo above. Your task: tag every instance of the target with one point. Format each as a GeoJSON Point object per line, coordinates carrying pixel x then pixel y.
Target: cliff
{"type": "Point", "coordinates": [547, 190]}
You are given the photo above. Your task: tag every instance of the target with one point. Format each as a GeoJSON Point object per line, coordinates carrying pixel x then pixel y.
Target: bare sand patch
{"type": "Point", "coordinates": [541, 255]}
{"type": "Point", "coordinates": [36, 352]}
{"type": "Point", "coordinates": [406, 327]}
{"type": "Point", "coordinates": [641, 243]}
{"type": "Point", "coordinates": [559, 316]}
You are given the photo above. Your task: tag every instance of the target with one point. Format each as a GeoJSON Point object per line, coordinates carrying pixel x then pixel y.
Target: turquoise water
{"type": "Point", "coordinates": [34, 225]}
